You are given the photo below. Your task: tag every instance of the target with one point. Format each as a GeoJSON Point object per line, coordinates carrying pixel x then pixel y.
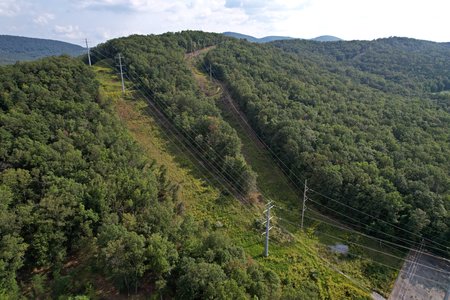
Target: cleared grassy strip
{"type": "Point", "coordinates": [297, 263]}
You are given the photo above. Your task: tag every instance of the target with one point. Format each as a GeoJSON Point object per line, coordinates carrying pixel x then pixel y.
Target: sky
{"type": "Point", "coordinates": [100, 20]}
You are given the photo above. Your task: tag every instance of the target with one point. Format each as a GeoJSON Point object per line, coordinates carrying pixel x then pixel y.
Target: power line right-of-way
{"type": "Point", "coordinates": [217, 170]}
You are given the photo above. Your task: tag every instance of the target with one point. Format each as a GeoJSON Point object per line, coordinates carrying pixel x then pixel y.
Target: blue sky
{"type": "Point", "coordinates": [99, 20]}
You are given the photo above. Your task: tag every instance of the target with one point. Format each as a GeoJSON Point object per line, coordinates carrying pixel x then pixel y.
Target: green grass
{"type": "Point", "coordinates": [302, 261]}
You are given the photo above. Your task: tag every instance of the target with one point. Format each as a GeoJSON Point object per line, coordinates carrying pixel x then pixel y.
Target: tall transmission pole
{"type": "Point", "coordinates": [88, 52]}
{"type": "Point", "coordinates": [121, 73]}
{"type": "Point", "coordinates": [269, 206]}
{"type": "Point", "coordinates": [304, 202]}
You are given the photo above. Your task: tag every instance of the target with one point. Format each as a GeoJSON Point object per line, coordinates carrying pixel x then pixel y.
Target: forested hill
{"type": "Point", "coordinates": [84, 212]}
{"type": "Point", "coordinates": [17, 48]}
{"type": "Point", "coordinates": [402, 64]}
{"type": "Point", "coordinates": [360, 120]}
{"type": "Point", "coordinates": [366, 122]}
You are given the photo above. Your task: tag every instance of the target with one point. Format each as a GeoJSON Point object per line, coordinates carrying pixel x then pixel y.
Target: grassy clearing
{"type": "Point", "coordinates": [203, 200]}
{"type": "Point", "coordinates": [301, 261]}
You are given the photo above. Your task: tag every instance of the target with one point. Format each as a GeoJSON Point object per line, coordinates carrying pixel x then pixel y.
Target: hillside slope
{"type": "Point", "coordinates": [366, 148]}
{"type": "Point", "coordinates": [286, 250]}
{"type": "Point", "coordinates": [390, 64]}
{"type": "Point", "coordinates": [325, 127]}
{"type": "Point", "coordinates": [17, 48]}
{"type": "Point", "coordinates": [205, 200]}
{"type": "Point", "coordinates": [85, 211]}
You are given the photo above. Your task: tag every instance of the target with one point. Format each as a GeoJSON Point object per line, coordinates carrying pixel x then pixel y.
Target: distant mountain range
{"type": "Point", "coordinates": [17, 48]}
{"type": "Point", "coordinates": [254, 39]}
{"type": "Point", "coordinates": [322, 38]}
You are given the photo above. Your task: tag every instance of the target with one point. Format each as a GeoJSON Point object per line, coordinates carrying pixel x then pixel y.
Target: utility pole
{"type": "Point", "coordinates": [304, 202]}
{"type": "Point", "coordinates": [88, 52]}
{"type": "Point", "coordinates": [121, 73]}
{"type": "Point", "coordinates": [269, 206]}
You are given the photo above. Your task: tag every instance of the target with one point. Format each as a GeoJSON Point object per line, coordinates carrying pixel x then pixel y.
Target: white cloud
{"type": "Point", "coordinates": [43, 19]}
{"type": "Point", "coordinates": [207, 15]}
{"type": "Point", "coordinates": [348, 19]}
{"type": "Point", "coordinates": [128, 5]}
{"type": "Point", "coordinates": [69, 31]}
{"type": "Point", "coordinates": [370, 19]}
{"type": "Point", "coordinates": [9, 8]}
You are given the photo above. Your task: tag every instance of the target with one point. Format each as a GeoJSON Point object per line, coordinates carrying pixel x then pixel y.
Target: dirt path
{"type": "Point", "coordinates": [230, 105]}
{"type": "Point", "coordinates": [271, 180]}
{"type": "Point", "coordinates": [215, 88]}
{"type": "Point", "coordinates": [198, 52]}
{"type": "Point", "coordinates": [422, 277]}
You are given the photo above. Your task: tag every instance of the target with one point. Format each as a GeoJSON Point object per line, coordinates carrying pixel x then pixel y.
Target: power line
{"type": "Point", "coordinates": [304, 206]}
{"type": "Point", "coordinates": [300, 179]}
{"type": "Point", "coordinates": [407, 241]}
{"type": "Point", "coordinates": [186, 135]}
{"type": "Point", "coordinates": [269, 213]}
{"type": "Point", "coordinates": [376, 218]}
{"type": "Point", "coordinates": [330, 266]}
{"type": "Point", "coordinates": [377, 239]}
{"type": "Point", "coordinates": [379, 263]}
{"type": "Point", "coordinates": [373, 249]}
{"type": "Point", "coordinates": [180, 135]}
{"type": "Point", "coordinates": [269, 206]}
{"type": "Point", "coordinates": [363, 234]}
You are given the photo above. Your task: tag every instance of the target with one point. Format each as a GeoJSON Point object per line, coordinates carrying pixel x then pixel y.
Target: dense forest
{"type": "Point", "coordinates": [367, 123]}
{"type": "Point", "coordinates": [18, 48]}
{"type": "Point", "coordinates": [392, 64]}
{"type": "Point", "coordinates": [79, 201]}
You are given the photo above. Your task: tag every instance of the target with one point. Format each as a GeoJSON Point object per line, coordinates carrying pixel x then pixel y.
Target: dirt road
{"type": "Point", "coordinates": [422, 276]}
